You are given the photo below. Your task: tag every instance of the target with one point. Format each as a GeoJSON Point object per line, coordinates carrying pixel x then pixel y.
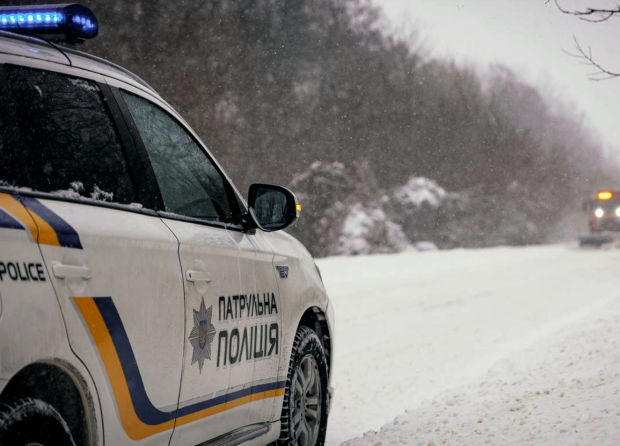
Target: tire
{"type": "Point", "coordinates": [32, 422]}
{"type": "Point", "coordinates": [306, 398]}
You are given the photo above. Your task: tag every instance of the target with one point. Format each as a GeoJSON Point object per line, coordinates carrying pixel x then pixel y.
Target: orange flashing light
{"type": "Point", "coordinates": [605, 195]}
{"type": "Point", "coordinates": [298, 207]}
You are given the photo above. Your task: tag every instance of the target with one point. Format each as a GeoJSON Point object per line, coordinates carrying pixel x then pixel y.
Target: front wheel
{"type": "Point", "coordinates": [32, 422]}
{"type": "Point", "coordinates": [306, 399]}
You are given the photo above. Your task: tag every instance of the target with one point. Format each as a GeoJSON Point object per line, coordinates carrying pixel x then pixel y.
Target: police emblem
{"type": "Point", "coordinates": [202, 335]}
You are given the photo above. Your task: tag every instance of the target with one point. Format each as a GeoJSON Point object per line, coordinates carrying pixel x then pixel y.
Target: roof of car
{"type": "Point", "coordinates": [36, 48]}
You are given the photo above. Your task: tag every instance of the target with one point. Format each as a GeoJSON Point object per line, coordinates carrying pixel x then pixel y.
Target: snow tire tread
{"type": "Point", "coordinates": [304, 338]}
{"type": "Point", "coordinates": [15, 421]}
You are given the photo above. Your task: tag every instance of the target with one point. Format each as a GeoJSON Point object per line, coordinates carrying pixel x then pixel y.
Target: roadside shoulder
{"type": "Point", "coordinates": [563, 390]}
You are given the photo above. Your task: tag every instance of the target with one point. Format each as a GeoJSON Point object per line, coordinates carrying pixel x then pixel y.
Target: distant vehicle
{"type": "Point", "coordinates": [604, 218]}
{"type": "Point", "coordinates": [142, 300]}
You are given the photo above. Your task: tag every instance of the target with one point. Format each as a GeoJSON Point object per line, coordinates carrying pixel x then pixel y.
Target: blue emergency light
{"type": "Point", "coordinates": [72, 23]}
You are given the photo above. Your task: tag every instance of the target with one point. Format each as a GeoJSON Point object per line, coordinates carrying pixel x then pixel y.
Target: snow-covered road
{"type": "Point", "coordinates": [411, 326]}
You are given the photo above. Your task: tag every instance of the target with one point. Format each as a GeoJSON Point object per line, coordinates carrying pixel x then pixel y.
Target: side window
{"type": "Point", "coordinates": [57, 136]}
{"type": "Point", "coordinates": [189, 182]}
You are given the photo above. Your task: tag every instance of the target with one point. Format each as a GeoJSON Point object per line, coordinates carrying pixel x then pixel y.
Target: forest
{"type": "Point", "coordinates": [385, 145]}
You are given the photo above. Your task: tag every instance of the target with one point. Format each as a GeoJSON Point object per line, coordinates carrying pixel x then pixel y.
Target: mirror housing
{"type": "Point", "coordinates": [271, 207]}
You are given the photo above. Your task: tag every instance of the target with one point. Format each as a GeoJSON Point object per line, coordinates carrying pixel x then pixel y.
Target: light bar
{"type": "Point", "coordinates": [72, 23]}
{"type": "Point", "coordinates": [605, 195]}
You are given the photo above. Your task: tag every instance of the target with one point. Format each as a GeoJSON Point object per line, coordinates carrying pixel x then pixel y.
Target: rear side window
{"type": "Point", "coordinates": [57, 136]}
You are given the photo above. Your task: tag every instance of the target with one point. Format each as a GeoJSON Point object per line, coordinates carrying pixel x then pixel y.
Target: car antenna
{"type": "Point", "coordinates": [52, 44]}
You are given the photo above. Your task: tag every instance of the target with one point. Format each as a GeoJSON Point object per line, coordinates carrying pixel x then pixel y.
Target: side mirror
{"type": "Point", "coordinates": [272, 207]}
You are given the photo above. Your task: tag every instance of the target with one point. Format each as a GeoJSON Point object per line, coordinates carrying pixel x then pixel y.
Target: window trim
{"type": "Point", "coordinates": [101, 204]}
{"type": "Point", "coordinates": [231, 192]}
{"type": "Point", "coordinates": [127, 129]}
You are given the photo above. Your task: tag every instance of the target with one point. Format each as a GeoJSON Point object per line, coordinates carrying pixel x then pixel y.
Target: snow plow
{"type": "Point", "coordinates": [604, 219]}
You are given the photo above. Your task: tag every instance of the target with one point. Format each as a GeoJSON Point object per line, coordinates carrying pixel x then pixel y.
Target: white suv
{"type": "Point", "coordinates": [142, 301]}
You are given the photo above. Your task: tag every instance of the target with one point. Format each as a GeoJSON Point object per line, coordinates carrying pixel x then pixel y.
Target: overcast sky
{"type": "Point", "coordinates": [528, 36]}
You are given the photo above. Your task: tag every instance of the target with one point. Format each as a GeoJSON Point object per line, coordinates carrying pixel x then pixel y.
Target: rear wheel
{"type": "Point", "coordinates": [304, 412]}
{"type": "Point", "coordinates": [32, 422]}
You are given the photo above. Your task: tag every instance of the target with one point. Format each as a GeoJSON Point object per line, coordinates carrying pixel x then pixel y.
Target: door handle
{"type": "Point", "coordinates": [197, 276]}
{"type": "Point", "coordinates": [63, 271]}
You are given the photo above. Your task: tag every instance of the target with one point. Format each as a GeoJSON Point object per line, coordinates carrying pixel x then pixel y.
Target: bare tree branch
{"type": "Point", "coordinates": [586, 58]}
{"type": "Point", "coordinates": [602, 14]}
{"type": "Point", "coordinates": [592, 15]}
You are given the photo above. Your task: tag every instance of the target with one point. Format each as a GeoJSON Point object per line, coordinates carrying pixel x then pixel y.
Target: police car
{"type": "Point", "coordinates": [142, 300]}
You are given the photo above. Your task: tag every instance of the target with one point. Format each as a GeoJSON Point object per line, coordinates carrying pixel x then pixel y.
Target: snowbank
{"type": "Point", "coordinates": [411, 326]}
{"type": "Point", "coordinates": [565, 390]}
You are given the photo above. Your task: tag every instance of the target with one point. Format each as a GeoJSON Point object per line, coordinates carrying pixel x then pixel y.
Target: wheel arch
{"type": "Point", "coordinates": [59, 384]}
{"type": "Point", "coordinates": [315, 319]}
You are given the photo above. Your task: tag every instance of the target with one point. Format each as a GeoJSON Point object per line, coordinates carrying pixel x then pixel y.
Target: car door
{"type": "Point", "coordinates": [113, 265]}
{"type": "Point", "coordinates": [262, 323]}
{"type": "Point", "coordinates": [199, 206]}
